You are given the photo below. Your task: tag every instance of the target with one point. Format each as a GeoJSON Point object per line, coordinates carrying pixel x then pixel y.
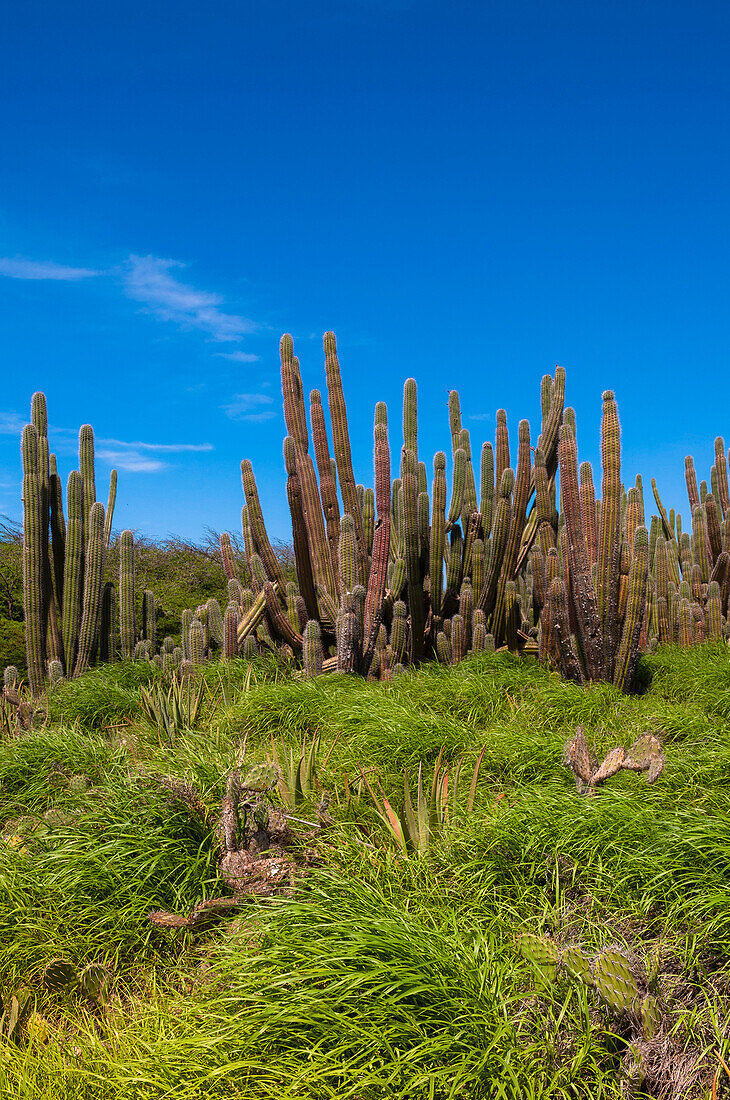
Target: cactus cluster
{"type": "Point", "coordinates": [63, 558]}
{"type": "Point", "coordinates": [402, 572]}
{"type": "Point", "coordinates": [610, 973]}
{"type": "Point", "coordinates": [393, 575]}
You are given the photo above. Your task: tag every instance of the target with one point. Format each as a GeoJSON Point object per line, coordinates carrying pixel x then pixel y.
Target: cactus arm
{"type": "Point", "coordinates": [327, 484]}
{"type": "Point", "coordinates": [412, 554]}
{"type": "Point", "coordinates": [609, 541]}
{"type": "Point", "coordinates": [341, 441]}
{"type": "Point", "coordinates": [373, 613]}
{"type": "Point", "coordinates": [110, 509]}
{"type": "Point", "coordinates": [628, 650]}
{"type": "Point", "coordinates": [127, 627]}
{"type": "Point", "coordinates": [93, 583]}
{"type": "Point", "coordinates": [258, 527]}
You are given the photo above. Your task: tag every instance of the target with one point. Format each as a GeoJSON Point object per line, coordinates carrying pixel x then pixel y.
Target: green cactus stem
{"type": "Point", "coordinates": [127, 626]}
{"type": "Point", "coordinates": [258, 527]}
{"type": "Point", "coordinates": [300, 539]}
{"type": "Point", "coordinates": [341, 443]}
{"type": "Point", "coordinates": [107, 624]}
{"type": "Point", "coordinates": [412, 555]}
{"type": "Point", "coordinates": [500, 532]}
{"type": "Point", "coordinates": [93, 583]}
{"type": "Point", "coordinates": [349, 562]}
{"type": "Point", "coordinates": [109, 515]}
{"type": "Point", "coordinates": [215, 621]}
{"type": "Point", "coordinates": [348, 635]}
{"type": "Point", "coordinates": [581, 575]}
{"type": "Point", "coordinates": [196, 643]}
{"type": "Point", "coordinates": [609, 537]}
{"type": "Point", "coordinates": [312, 656]}
{"type": "Point", "coordinates": [327, 483]}
{"type": "Point", "coordinates": [691, 480]}
{"type": "Point", "coordinates": [293, 394]}
{"type": "Point", "coordinates": [438, 529]}
{"type": "Point", "coordinates": [457, 488]}
{"type": "Point", "coordinates": [373, 610]}
{"type": "Point", "coordinates": [34, 543]}
{"type": "Point", "coordinates": [560, 630]}
{"type": "Point", "coordinates": [86, 466]}
{"type": "Point", "coordinates": [410, 416]}
{"type": "Point", "coordinates": [517, 526]}
{"type": "Point", "coordinates": [502, 445]}
{"type": "Point", "coordinates": [486, 488]}
{"type": "Point", "coordinates": [614, 980]}
{"type": "Point", "coordinates": [149, 618]}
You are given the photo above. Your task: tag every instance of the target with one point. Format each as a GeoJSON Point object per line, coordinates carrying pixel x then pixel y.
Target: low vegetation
{"type": "Point", "coordinates": [543, 942]}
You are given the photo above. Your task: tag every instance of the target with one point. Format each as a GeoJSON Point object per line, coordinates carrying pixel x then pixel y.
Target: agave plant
{"type": "Point", "coordinates": [175, 707]}
{"type": "Point", "coordinates": [414, 829]}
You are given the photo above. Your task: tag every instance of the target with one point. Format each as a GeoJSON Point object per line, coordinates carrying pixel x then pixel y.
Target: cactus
{"type": "Point", "coordinates": [609, 539]}
{"type": "Point", "coordinates": [614, 980]}
{"type": "Point", "coordinates": [541, 952]}
{"type": "Point", "coordinates": [312, 649]}
{"type": "Point", "coordinates": [438, 528]}
{"type": "Point", "coordinates": [93, 584]}
{"type": "Point", "coordinates": [628, 650]}
{"type": "Point", "coordinates": [196, 643]}
{"type": "Point", "coordinates": [341, 439]}
{"type": "Point", "coordinates": [127, 627]}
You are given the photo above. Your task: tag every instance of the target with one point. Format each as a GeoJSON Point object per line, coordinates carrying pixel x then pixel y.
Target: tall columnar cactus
{"type": "Point", "coordinates": [327, 481]}
{"type": "Point", "coordinates": [56, 561]}
{"type": "Point", "coordinates": [373, 612]}
{"type": "Point", "coordinates": [341, 438]}
{"type": "Point", "coordinates": [230, 628]}
{"type": "Point", "coordinates": [34, 542]}
{"type": "Point", "coordinates": [312, 650]}
{"type": "Point", "coordinates": [149, 618]}
{"type": "Point", "coordinates": [127, 625]}
{"type": "Point", "coordinates": [196, 643]}
{"type": "Point", "coordinates": [93, 584]}
{"type": "Point", "coordinates": [412, 555]}
{"type": "Point", "coordinates": [609, 539]}
{"type": "Point", "coordinates": [628, 650]}
{"type": "Point", "coordinates": [583, 592]}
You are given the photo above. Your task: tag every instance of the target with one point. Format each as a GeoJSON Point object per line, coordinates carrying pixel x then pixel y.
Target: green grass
{"type": "Point", "coordinates": [382, 976]}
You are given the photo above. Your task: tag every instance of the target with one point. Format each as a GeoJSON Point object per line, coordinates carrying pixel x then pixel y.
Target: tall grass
{"type": "Point", "coordinates": [382, 976]}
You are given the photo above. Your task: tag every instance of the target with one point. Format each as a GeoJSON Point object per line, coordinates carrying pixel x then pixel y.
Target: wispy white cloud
{"type": "Point", "coordinates": [137, 457]}
{"type": "Point", "coordinates": [238, 356]}
{"type": "Point", "coordinates": [17, 267]}
{"type": "Point", "coordinates": [248, 406]}
{"type": "Point", "coordinates": [12, 423]}
{"type": "Point", "coordinates": [168, 447]}
{"type": "Point", "coordinates": [131, 461]}
{"type": "Point", "coordinates": [147, 279]}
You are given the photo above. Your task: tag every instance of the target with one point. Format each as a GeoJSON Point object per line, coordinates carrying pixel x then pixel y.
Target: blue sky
{"type": "Point", "coordinates": [467, 193]}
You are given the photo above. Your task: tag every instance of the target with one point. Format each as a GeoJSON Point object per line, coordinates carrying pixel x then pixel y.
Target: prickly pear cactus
{"type": "Point", "coordinates": [95, 983]}
{"type": "Point", "coordinates": [612, 763]}
{"type": "Point", "coordinates": [541, 952]}
{"type": "Point", "coordinates": [577, 964]}
{"type": "Point", "coordinates": [651, 1016]}
{"type": "Point", "coordinates": [615, 981]}
{"type": "Point", "coordinates": [577, 756]}
{"type": "Point", "coordinates": [59, 974]}
{"type": "Point", "coordinates": [646, 755]}
{"type": "Point", "coordinates": [262, 777]}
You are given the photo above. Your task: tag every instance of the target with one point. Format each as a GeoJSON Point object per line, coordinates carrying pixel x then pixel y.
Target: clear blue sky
{"type": "Point", "coordinates": [467, 193]}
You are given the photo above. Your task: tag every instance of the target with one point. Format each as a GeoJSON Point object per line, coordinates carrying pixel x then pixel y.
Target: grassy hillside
{"type": "Point", "coordinates": [382, 974]}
